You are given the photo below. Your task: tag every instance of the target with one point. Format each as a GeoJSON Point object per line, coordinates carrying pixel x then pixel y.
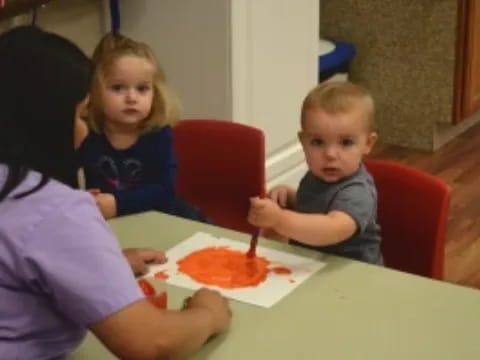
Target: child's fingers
{"type": "Point", "coordinates": [152, 256]}
{"type": "Point", "coordinates": [94, 191]}
{"type": "Point", "coordinates": [252, 219]}
{"type": "Point", "coordinates": [274, 195]}
{"type": "Point", "coordinates": [139, 267]}
{"type": "Point", "coordinates": [282, 199]}
{"type": "Point", "coordinates": [257, 203]}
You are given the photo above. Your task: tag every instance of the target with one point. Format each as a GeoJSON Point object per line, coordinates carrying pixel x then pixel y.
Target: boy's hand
{"type": "Point", "coordinates": [280, 194]}
{"type": "Point", "coordinates": [107, 205]}
{"type": "Point", "coordinates": [140, 258]}
{"type": "Point", "coordinates": [264, 212]}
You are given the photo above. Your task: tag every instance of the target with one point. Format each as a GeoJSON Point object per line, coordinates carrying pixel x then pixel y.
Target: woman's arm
{"type": "Point", "coordinates": [142, 331]}
{"type": "Point", "coordinates": [139, 258]}
{"type": "Point", "coordinates": [72, 257]}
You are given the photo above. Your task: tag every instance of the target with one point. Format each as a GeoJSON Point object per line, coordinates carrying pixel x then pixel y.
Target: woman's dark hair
{"type": "Point", "coordinates": [42, 78]}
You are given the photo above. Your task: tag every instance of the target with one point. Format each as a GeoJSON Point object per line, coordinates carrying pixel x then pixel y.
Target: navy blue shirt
{"type": "Point", "coordinates": [141, 177]}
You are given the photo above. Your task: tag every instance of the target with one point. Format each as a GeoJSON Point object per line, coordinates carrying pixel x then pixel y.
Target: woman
{"type": "Point", "coordinates": [61, 271]}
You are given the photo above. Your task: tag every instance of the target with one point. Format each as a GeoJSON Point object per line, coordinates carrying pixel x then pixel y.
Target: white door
{"type": "Point", "coordinates": [274, 65]}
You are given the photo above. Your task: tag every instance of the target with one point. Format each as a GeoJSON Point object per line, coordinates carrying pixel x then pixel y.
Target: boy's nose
{"type": "Point", "coordinates": [331, 152]}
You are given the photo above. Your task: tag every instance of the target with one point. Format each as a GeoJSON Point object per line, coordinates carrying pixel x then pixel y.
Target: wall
{"type": "Point", "coordinates": [79, 20]}
{"type": "Point", "coordinates": [191, 40]}
{"type": "Point", "coordinates": [406, 56]}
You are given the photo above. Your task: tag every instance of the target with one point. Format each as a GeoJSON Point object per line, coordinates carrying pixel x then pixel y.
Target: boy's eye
{"type": "Point", "coordinates": [316, 142]}
{"type": "Point", "coordinates": [347, 142]}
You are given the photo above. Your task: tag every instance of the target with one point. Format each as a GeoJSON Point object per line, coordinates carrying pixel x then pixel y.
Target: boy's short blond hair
{"type": "Point", "coordinates": [165, 106]}
{"type": "Point", "coordinates": [340, 97]}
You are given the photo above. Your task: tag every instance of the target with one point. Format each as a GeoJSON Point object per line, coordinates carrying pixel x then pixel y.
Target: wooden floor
{"type": "Point", "coordinates": [458, 163]}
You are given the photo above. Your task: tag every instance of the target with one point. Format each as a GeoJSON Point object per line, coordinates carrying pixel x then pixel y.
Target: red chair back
{"type": "Point", "coordinates": [221, 164]}
{"type": "Point", "coordinates": [412, 213]}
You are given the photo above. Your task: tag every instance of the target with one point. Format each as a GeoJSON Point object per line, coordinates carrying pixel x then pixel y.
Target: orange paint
{"type": "Point", "coordinates": [282, 270]}
{"type": "Point", "coordinates": [146, 287]}
{"type": "Point", "coordinates": [161, 275]}
{"type": "Point", "coordinates": [159, 300]}
{"type": "Point", "coordinates": [223, 267]}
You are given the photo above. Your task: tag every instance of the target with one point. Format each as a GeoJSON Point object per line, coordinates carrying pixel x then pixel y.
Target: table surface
{"type": "Point", "coordinates": [347, 310]}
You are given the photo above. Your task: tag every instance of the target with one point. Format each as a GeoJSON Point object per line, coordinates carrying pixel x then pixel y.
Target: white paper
{"type": "Point", "coordinates": [266, 294]}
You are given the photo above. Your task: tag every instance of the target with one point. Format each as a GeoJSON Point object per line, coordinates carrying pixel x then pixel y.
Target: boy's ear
{"type": "Point", "coordinates": [371, 140]}
{"type": "Point", "coordinates": [301, 137]}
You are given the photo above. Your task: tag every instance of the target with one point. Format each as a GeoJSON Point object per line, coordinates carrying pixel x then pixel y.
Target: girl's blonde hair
{"type": "Point", "coordinates": [340, 97]}
{"type": "Point", "coordinates": [165, 106]}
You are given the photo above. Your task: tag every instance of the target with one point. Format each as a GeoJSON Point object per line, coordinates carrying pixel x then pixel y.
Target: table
{"type": "Point", "coordinates": [348, 310]}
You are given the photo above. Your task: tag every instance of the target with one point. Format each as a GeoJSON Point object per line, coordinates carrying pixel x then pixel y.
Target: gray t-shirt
{"type": "Point", "coordinates": [356, 196]}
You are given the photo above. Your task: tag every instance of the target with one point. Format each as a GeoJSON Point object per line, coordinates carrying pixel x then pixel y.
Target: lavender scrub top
{"type": "Point", "coordinates": [61, 270]}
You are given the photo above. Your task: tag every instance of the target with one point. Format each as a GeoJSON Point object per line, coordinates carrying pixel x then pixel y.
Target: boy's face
{"type": "Point", "coordinates": [127, 91]}
{"type": "Point", "coordinates": [334, 144]}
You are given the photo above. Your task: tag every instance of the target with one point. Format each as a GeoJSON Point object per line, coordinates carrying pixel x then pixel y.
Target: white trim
{"type": "Point", "coordinates": [283, 160]}
{"type": "Point", "coordinates": [241, 60]}
{"type": "Point", "coordinates": [291, 177]}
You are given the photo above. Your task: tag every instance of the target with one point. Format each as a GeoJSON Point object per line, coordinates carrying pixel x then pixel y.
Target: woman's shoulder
{"type": "Point", "coordinates": [52, 199]}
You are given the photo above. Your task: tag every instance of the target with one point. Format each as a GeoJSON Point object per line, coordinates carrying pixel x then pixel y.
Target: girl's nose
{"type": "Point", "coordinates": [131, 95]}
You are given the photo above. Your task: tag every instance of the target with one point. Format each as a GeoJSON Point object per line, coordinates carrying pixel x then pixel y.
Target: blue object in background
{"type": "Point", "coordinates": [115, 15]}
{"type": "Point", "coordinates": [335, 61]}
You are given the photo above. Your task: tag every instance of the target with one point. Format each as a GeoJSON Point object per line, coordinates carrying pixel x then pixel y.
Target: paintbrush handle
{"type": "Point", "coordinates": [253, 243]}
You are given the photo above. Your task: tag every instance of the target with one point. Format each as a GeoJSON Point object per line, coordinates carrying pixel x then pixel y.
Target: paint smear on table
{"type": "Point", "coordinates": [157, 297]}
{"type": "Point", "coordinates": [221, 264]}
{"type": "Point", "coordinates": [161, 275]}
{"type": "Point", "coordinates": [281, 270]}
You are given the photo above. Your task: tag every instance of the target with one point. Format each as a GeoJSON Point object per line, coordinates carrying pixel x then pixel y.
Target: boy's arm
{"type": "Point", "coordinates": [310, 229]}
{"type": "Point", "coordinates": [316, 229]}
{"type": "Point", "coordinates": [351, 210]}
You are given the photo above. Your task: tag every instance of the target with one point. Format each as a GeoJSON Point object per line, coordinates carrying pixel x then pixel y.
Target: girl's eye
{"type": "Point", "coordinates": [117, 87]}
{"type": "Point", "coordinates": [316, 142]}
{"type": "Point", "coordinates": [346, 142]}
{"type": "Point", "coordinates": [143, 88]}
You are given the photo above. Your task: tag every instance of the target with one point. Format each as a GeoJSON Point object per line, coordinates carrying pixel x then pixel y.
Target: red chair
{"type": "Point", "coordinates": [221, 164]}
{"type": "Point", "coordinates": [412, 213]}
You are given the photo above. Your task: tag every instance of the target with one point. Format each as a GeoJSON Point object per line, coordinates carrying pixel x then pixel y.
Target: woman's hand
{"type": "Point", "coordinates": [140, 258]}
{"type": "Point", "coordinates": [215, 303]}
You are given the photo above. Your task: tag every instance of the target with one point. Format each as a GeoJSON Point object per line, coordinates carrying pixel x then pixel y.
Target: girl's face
{"type": "Point", "coordinates": [126, 92]}
{"type": "Point", "coordinates": [80, 129]}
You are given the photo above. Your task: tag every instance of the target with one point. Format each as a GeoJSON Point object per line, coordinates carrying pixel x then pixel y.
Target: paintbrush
{"type": "Point", "coordinates": [253, 243]}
